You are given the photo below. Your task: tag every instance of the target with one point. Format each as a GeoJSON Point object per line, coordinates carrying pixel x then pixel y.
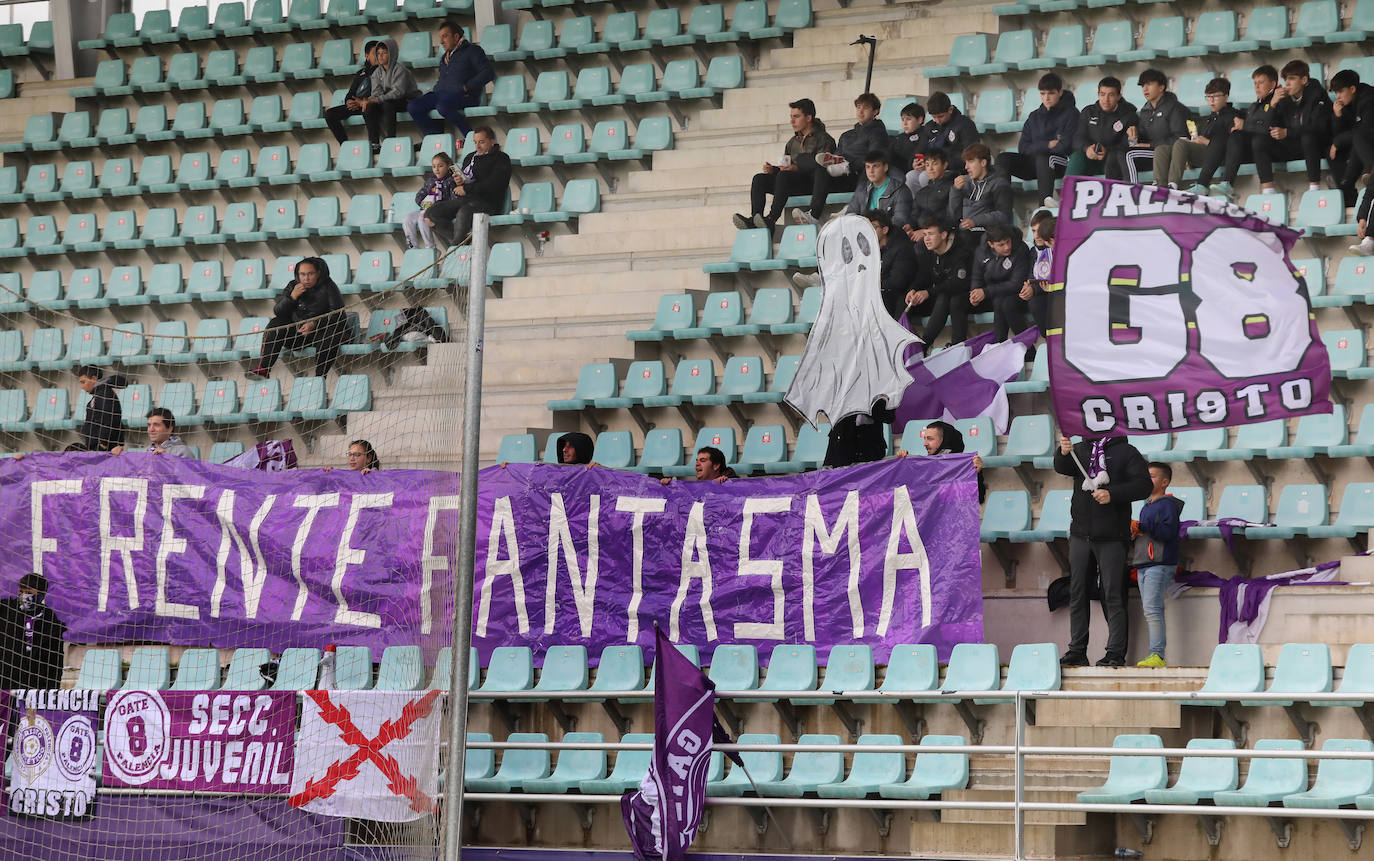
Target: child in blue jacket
{"type": "Point", "coordinates": [1155, 556]}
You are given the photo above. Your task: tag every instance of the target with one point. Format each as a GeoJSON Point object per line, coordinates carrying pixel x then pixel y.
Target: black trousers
{"type": "Point", "coordinates": [783, 184]}
{"type": "Point", "coordinates": [953, 307]}
{"type": "Point", "coordinates": [1009, 313]}
{"type": "Point", "coordinates": [1039, 304]}
{"type": "Point", "coordinates": [1351, 161]}
{"type": "Point", "coordinates": [329, 335]}
{"type": "Point", "coordinates": [1310, 147]}
{"type": "Point", "coordinates": [1044, 169]}
{"type": "Point", "coordinates": [1215, 158]}
{"type": "Point", "coordinates": [381, 118]}
{"type": "Point", "coordinates": [1085, 559]}
{"type": "Point", "coordinates": [336, 116]}
{"type": "Point", "coordinates": [453, 217]}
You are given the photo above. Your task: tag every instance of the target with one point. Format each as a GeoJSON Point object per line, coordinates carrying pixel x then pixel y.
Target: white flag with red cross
{"type": "Point", "coordinates": [368, 754]}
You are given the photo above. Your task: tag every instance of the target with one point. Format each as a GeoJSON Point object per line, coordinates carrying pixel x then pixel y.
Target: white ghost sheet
{"type": "Point", "coordinates": [854, 354]}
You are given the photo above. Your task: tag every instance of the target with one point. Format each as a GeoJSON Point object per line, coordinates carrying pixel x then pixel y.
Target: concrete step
{"type": "Point", "coordinates": [1006, 817]}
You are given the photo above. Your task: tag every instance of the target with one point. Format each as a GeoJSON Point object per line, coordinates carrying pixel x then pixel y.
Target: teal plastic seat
{"type": "Point", "coordinates": [219, 400]}
{"type": "Point", "coordinates": [1200, 778]}
{"type": "Point", "coordinates": [511, 668]}
{"type": "Point", "coordinates": [642, 380]}
{"type": "Point", "coordinates": [574, 766]}
{"type": "Point", "coordinates": [51, 410]}
{"type": "Point", "coordinates": [1322, 213]}
{"type": "Point", "coordinates": [620, 669]}
{"type": "Point", "coordinates": [630, 768]}
{"type": "Point", "coordinates": [965, 52]}
{"type": "Point", "coordinates": [1317, 21]}
{"type": "Point", "coordinates": [847, 668]}
{"type": "Point", "coordinates": [1030, 438]}
{"type": "Point", "coordinates": [809, 771]}
{"type": "Point", "coordinates": [1346, 350]}
{"type": "Point", "coordinates": [791, 667]}
{"type": "Point", "coordinates": [1247, 502]}
{"type": "Point", "coordinates": [1354, 284]}
{"type": "Point", "coordinates": [298, 669]}
{"type": "Point", "coordinates": [995, 108]}
{"type": "Point", "coordinates": [979, 435]}
{"type": "Point", "coordinates": [692, 377]}
{"type": "Point", "coordinates": [1162, 35]}
{"type": "Point", "coordinates": [869, 771]}
{"type": "Point", "coordinates": [1014, 47]}
{"type": "Point", "coordinates": [1211, 31]}
{"type": "Point", "coordinates": [734, 667]}
{"type": "Point", "coordinates": [1235, 668]}
{"type": "Point", "coordinates": [197, 670]}
{"type": "Point", "coordinates": [932, 773]}
{"type": "Point", "coordinates": [910, 667]}
{"type": "Point", "coordinates": [676, 311]}
{"type": "Point", "coordinates": [1192, 444]}
{"type": "Point", "coordinates": [1130, 777]}
{"type": "Point", "coordinates": [1339, 781]}
{"type": "Point", "coordinates": [1356, 513]}
{"type": "Point", "coordinates": [783, 371]}
{"type": "Point", "coordinates": [353, 668]}
{"type": "Point", "coordinates": [807, 311]}
{"type": "Point", "coordinates": [750, 246]}
{"type": "Point", "coordinates": [762, 765]}
{"type": "Point", "coordinates": [46, 347]}
{"type": "Point", "coordinates": [14, 408]}
{"type": "Point", "coordinates": [807, 453]}
{"type": "Point", "coordinates": [478, 763]}
{"type": "Point", "coordinates": [86, 347]}
{"type": "Point", "coordinates": [1301, 507]}
{"type": "Point", "coordinates": [1253, 440]}
{"type": "Point", "coordinates": [1061, 43]}
{"type": "Point", "coordinates": [764, 446]}
{"type": "Point", "coordinates": [150, 669]}
{"type": "Point", "coordinates": [973, 667]}
{"type": "Point", "coordinates": [1033, 667]}
{"type": "Point", "coordinates": [1269, 779]}
{"type": "Point", "coordinates": [595, 380]}
{"type": "Point", "coordinates": [518, 766]}
{"type": "Point", "coordinates": [353, 392]}
{"type": "Point", "coordinates": [743, 374]}
{"type": "Point", "coordinates": [101, 670]}
{"type": "Point", "coordinates": [516, 448]}
{"type": "Point", "coordinates": [565, 669]}
{"type": "Point", "coordinates": [1303, 668]}
{"type": "Point", "coordinates": [1110, 40]}
{"type": "Point", "coordinates": [614, 449]}
{"type": "Point", "coordinates": [80, 232]}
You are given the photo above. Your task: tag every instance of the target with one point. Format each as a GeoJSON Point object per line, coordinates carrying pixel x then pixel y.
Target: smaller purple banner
{"type": "Point", "coordinates": [1174, 312]}
{"type": "Point", "coordinates": [54, 754]}
{"type": "Point", "coordinates": [229, 741]}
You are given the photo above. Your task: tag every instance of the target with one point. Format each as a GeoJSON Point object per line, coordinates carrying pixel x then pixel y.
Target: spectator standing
{"type": "Point", "coordinates": [1155, 556]}
{"type": "Point", "coordinates": [437, 187]}
{"type": "Point", "coordinates": [1247, 129]}
{"type": "Point", "coordinates": [480, 185]}
{"type": "Point", "coordinates": [859, 438]}
{"type": "Point", "coordinates": [393, 86]}
{"type": "Point", "coordinates": [103, 429]}
{"type": "Point", "coordinates": [362, 457]}
{"type": "Point", "coordinates": [931, 198]}
{"type": "Point", "coordinates": [1162, 121]}
{"type": "Point", "coordinates": [881, 191]}
{"type": "Point", "coordinates": [709, 466]}
{"type": "Point", "coordinates": [941, 437]}
{"type": "Point", "coordinates": [308, 313]}
{"type": "Point", "coordinates": [1002, 267]}
{"type": "Point", "coordinates": [1046, 142]}
{"type": "Point", "coordinates": [1205, 148]}
{"type": "Point", "coordinates": [1352, 145]}
{"type": "Point", "coordinates": [980, 198]}
{"type": "Point", "coordinates": [798, 172]}
{"type": "Point", "coordinates": [909, 147]}
{"type": "Point", "coordinates": [464, 72]}
{"type": "Point", "coordinates": [948, 260]}
{"type": "Point", "coordinates": [869, 134]}
{"type": "Point", "coordinates": [1101, 143]}
{"type": "Point", "coordinates": [575, 448]}
{"type": "Point", "coordinates": [949, 129]}
{"type": "Point", "coordinates": [358, 90]}
{"type": "Point", "coordinates": [31, 639]}
{"type": "Point", "coordinates": [1109, 475]}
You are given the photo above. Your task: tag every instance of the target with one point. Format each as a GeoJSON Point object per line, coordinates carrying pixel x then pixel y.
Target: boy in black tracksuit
{"type": "Point", "coordinates": [1101, 143]}
{"type": "Point", "coordinates": [1162, 120]}
{"type": "Point", "coordinates": [949, 129]}
{"type": "Point", "coordinates": [1352, 142]}
{"type": "Point", "coordinates": [1206, 148]}
{"type": "Point", "coordinates": [1001, 267]}
{"type": "Point", "coordinates": [948, 264]}
{"type": "Point", "coordinates": [1046, 141]}
{"type": "Point", "coordinates": [911, 144]}
{"type": "Point", "coordinates": [1300, 128]}
{"type": "Point", "coordinates": [932, 198]}
{"type": "Point", "coordinates": [1252, 126]}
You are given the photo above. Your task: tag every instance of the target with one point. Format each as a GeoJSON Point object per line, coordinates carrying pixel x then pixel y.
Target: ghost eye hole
{"type": "Point", "coordinates": [863, 244]}
{"type": "Point", "coordinates": [847, 251]}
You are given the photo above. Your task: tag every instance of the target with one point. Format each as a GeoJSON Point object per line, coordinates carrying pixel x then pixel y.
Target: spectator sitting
{"type": "Point", "coordinates": [1046, 140]}
{"type": "Point", "coordinates": [480, 185]}
{"type": "Point", "coordinates": [437, 187]}
{"type": "Point", "coordinates": [1365, 245]}
{"type": "Point", "coordinates": [980, 197]}
{"type": "Point", "coordinates": [1002, 267]}
{"type": "Point", "coordinates": [358, 90]}
{"type": "Point", "coordinates": [1352, 147]}
{"type": "Point", "coordinates": [868, 134]}
{"type": "Point", "coordinates": [1300, 128]}
{"type": "Point", "coordinates": [308, 313]}
{"type": "Point", "coordinates": [1034, 290]}
{"type": "Point", "coordinates": [103, 429]}
{"type": "Point", "coordinates": [1206, 148]}
{"type": "Point", "coordinates": [932, 199]}
{"type": "Point", "coordinates": [1161, 122]}
{"type": "Point", "coordinates": [464, 72]}
{"type": "Point", "coordinates": [949, 129]}
{"type": "Point", "coordinates": [1101, 143]}
{"type": "Point", "coordinates": [709, 466]}
{"type": "Point", "coordinates": [575, 448]}
{"type": "Point", "coordinates": [1252, 127]}
{"type": "Point", "coordinates": [797, 172]}
{"type": "Point", "coordinates": [948, 259]}
{"type": "Point", "coordinates": [161, 440]}
{"type": "Point", "coordinates": [393, 86]}
{"type": "Point", "coordinates": [877, 190]}
{"type": "Point", "coordinates": [909, 147]}
{"type": "Point", "coordinates": [897, 261]}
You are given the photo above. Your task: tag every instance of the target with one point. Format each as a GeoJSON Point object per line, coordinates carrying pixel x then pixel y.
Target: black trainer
{"type": "Point", "coordinates": [1073, 659]}
{"type": "Point", "coordinates": [1110, 660]}
{"type": "Point", "coordinates": [742, 221]}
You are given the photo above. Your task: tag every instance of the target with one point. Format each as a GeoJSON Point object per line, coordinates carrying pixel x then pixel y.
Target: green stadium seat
{"type": "Point", "coordinates": [972, 667]}
{"type": "Point", "coordinates": [764, 446]}
{"type": "Point", "coordinates": [693, 377]}
{"type": "Point", "coordinates": [1252, 441]}
{"type": "Point", "coordinates": [1354, 284]}
{"type": "Point", "coordinates": [734, 667]}
{"type": "Point", "coordinates": [126, 340]}
{"type": "Point", "coordinates": [1345, 347]}
{"type": "Point", "coordinates": [574, 766]}
{"type": "Point", "coordinates": [227, 118]}
{"type": "Point", "coordinates": [518, 766]}
{"type": "Point", "coordinates": [221, 70]}
{"type": "Point", "coordinates": [1322, 213]}
{"type": "Point", "coordinates": [1317, 21]}
{"type": "Point", "coordinates": [305, 15]}
{"type": "Point", "coordinates": [1033, 667]}
{"type": "Point", "coordinates": [1301, 506]}
{"type": "Point", "coordinates": [1014, 47]}
{"type": "Point", "coordinates": [1111, 39]}
{"type": "Point", "coordinates": [1271, 207]}
{"type": "Point", "coordinates": [344, 13]}
{"type": "Point", "coordinates": [1211, 31]}
{"type": "Point", "coordinates": [231, 20]}
{"type": "Point", "coordinates": [101, 669]}
{"type": "Point", "coordinates": [401, 669]}
{"type": "Point", "coordinates": [259, 398]}
{"type": "Point", "coordinates": [848, 667]}
{"type": "Point", "coordinates": [592, 84]}
{"type": "Point", "coordinates": [516, 448]}
{"type": "Point", "coordinates": [620, 669]}
{"type": "Point", "coordinates": [417, 50]}
{"type": "Point", "coordinates": [298, 670]}
{"type": "Point", "coordinates": [383, 11]}
{"type": "Point", "coordinates": [1339, 781]}
{"type": "Point", "coordinates": [869, 771]}
{"type": "Point", "coordinates": [478, 763]}
{"type": "Point", "coordinates": [220, 399]}
{"type": "Point", "coordinates": [510, 668]}
{"type": "Point", "coordinates": [791, 667]}
{"type": "Point", "coordinates": [1130, 777]}
{"type": "Point", "coordinates": [197, 670]}
{"type": "Point", "coordinates": [807, 453]}
{"type": "Point", "coordinates": [910, 667]}
{"type": "Point", "coordinates": [1200, 778]}
{"type": "Point", "coordinates": [40, 179]}
{"type": "Point", "coordinates": [222, 452]}
{"type": "Point", "coordinates": [352, 393]}
{"type": "Point", "coordinates": [116, 175]}
{"type": "Point", "coordinates": [796, 248]}
{"type": "Point", "coordinates": [40, 133]}
{"type": "Point", "coordinates": [145, 76]}
{"type": "Point", "coordinates": [742, 375]}
{"type": "Point", "coordinates": [40, 236]}
{"type": "Point", "coordinates": [87, 344]}
{"type": "Point", "coordinates": [1061, 43]}
{"type": "Point", "coordinates": [1269, 779]}
{"type": "Point", "coordinates": [760, 765]}
{"type": "Point", "coordinates": [248, 280]}
{"type": "Point", "coordinates": [51, 411]}
{"type": "Point", "coordinates": [267, 17]}
{"type": "Point", "coordinates": [1356, 515]}
{"type": "Point", "coordinates": [675, 311]}
{"type": "Point", "coordinates": [120, 25]}
{"type": "Point", "coordinates": [772, 306]}
{"type": "Point", "coordinates": [75, 130]}
{"type": "Point", "coordinates": [11, 297]}
{"type": "Point", "coordinates": [1191, 444]}
{"type": "Point", "coordinates": [965, 52]}
{"type": "Point", "coordinates": [614, 449]}
{"type": "Point", "coordinates": [13, 408]}
{"type": "Point", "coordinates": [373, 274]}
{"type": "Point", "coordinates": [364, 210]}
{"type": "Point", "coordinates": [353, 668]}
{"type": "Point", "coordinates": [498, 42]}
{"type": "Point", "coordinates": [211, 336]}
{"type": "Point", "coordinates": [1235, 668]}
{"type": "Point", "coordinates": [243, 672]}
{"type": "Point", "coordinates": [307, 111]}
{"type": "Point", "coordinates": [9, 185]}
{"type": "Point", "coordinates": [784, 369]}
{"type": "Point", "coordinates": [1162, 35]}
{"type": "Point", "coordinates": [189, 122]}
{"type": "Point", "coordinates": [750, 246]}
{"type": "Point", "coordinates": [806, 314]}
{"type": "Point", "coordinates": [653, 134]}
{"type": "Point", "coordinates": [932, 773]}
{"type": "Point", "coordinates": [1006, 512]}
{"type": "Point", "coordinates": [109, 75]}
{"type": "Point", "coordinates": [995, 108]}
{"type": "Point", "coordinates": [809, 770]}
{"type": "Point", "coordinates": [1263, 27]}
{"type": "Point", "coordinates": [1303, 668]}
{"type": "Point", "coordinates": [150, 669]}
{"type": "Point", "coordinates": [1247, 502]}
{"type": "Point", "coordinates": [595, 380]}
{"type": "Point", "coordinates": [1316, 434]}
{"type": "Point", "coordinates": [157, 23]}
{"type": "Point", "coordinates": [149, 124]}
{"type": "Point", "coordinates": [643, 380]}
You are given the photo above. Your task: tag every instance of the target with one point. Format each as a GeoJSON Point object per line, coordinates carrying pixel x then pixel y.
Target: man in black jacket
{"type": "Point", "coordinates": [1102, 140]}
{"type": "Point", "coordinates": [1206, 148]}
{"type": "Point", "coordinates": [932, 198]}
{"type": "Point", "coordinates": [1001, 267]}
{"type": "Point", "coordinates": [1251, 127]}
{"type": "Point", "coordinates": [897, 259]}
{"type": "Point", "coordinates": [31, 647]}
{"type": "Point", "coordinates": [1301, 127]}
{"type": "Point", "coordinates": [948, 262]}
{"type": "Point", "coordinates": [949, 129]}
{"type": "Point", "coordinates": [1109, 475]}
{"type": "Point", "coordinates": [104, 426]}
{"type": "Point", "coordinates": [1046, 141]}
{"type": "Point", "coordinates": [483, 183]}
{"type": "Point", "coordinates": [308, 313]}
{"type": "Point", "coordinates": [1161, 121]}
{"type": "Point", "coordinates": [1352, 146]}
{"type": "Point", "coordinates": [359, 89]}
{"type": "Point", "coordinates": [869, 134]}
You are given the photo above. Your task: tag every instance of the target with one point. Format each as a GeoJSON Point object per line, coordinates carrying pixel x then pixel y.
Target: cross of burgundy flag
{"type": "Point", "coordinates": [368, 754]}
{"type": "Point", "coordinates": [662, 817]}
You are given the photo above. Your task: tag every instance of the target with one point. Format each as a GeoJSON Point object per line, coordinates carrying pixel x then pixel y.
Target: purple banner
{"type": "Point", "coordinates": [219, 742]}
{"type": "Point", "coordinates": [1173, 312]}
{"type": "Point", "coordinates": [164, 549]}
{"type": "Point", "coordinates": [54, 754]}
{"type": "Point", "coordinates": [882, 553]}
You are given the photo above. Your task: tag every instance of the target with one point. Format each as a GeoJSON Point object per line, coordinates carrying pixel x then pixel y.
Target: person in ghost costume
{"type": "Point", "coordinates": [853, 366]}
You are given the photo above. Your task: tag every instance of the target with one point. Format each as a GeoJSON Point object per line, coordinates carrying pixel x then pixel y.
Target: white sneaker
{"type": "Point", "coordinates": [802, 215]}
{"type": "Point", "coordinates": [806, 279]}
{"type": "Point", "coordinates": [1052, 201]}
{"type": "Point", "coordinates": [1364, 246]}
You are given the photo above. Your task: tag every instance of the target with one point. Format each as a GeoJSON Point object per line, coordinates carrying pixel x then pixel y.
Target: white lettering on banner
{"type": "Point", "coordinates": [904, 524]}
{"type": "Point", "coordinates": [770, 568]}
{"type": "Point", "coordinates": [172, 543]}
{"type": "Point", "coordinates": [560, 539]}
{"type": "Point", "coordinates": [1296, 394]}
{"type": "Point", "coordinates": [124, 545]}
{"type": "Point", "coordinates": [1254, 401]}
{"type": "Point", "coordinates": [312, 503]}
{"type": "Point", "coordinates": [252, 569]}
{"type": "Point", "coordinates": [638, 506]}
{"type": "Point", "coordinates": [846, 524]}
{"type": "Point", "coordinates": [350, 555]}
{"type": "Point", "coordinates": [37, 492]}
{"type": "Point", "coordinates": [429, 560]}
{"type": "Point", "coordinates": [502, 533]}
{"type": "Point", "coordinates": [696, 565]}
{"type": "Point", "coordinates": [50, 802]}
{"type": "Point", "coordinates": [1127, 201]}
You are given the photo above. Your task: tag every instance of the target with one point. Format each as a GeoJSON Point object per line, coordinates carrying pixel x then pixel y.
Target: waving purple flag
{"type": "Point", "coordinates": [662, 817]}
{"type": "Point", "coordinates": [966, 380]}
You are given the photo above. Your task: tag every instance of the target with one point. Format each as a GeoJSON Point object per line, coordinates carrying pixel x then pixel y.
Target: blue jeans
{"type": "Point", "coordinates": [449, 105]}
{"type": "Point", "coordinates": [1154, 581]}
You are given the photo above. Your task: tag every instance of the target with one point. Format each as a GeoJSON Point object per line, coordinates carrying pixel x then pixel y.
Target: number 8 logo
{"type": "Point", "coordinates": [1250, 316]}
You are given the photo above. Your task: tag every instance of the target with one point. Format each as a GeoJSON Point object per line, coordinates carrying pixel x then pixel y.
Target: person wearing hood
{"type": "Point", "coordinates": [941, 437]}
{"type": "Point", "coordinates": [1300, 127]}
{"type": "Point", "coordinates": [31, 639]}
{"type": "Point", "coordinates": [1161, 121]}
{"type": "Point", "coordinates": [1101, 142]}
{"type": "Point", "coordinates": [308, 313]}
{"type": "Point", "coordinates": [1352, 145]}
{"type": "Point", "coordinates": [859, 438]}
{"type": "Point", "coordinates": [103, 429]}
{"type": "Point", "coordinates": [1046, 140]}
{"type": "Point", "coordinates": [358, 90]}
{"type": "Point", "coordinates": [868, 135]}
{"type": "Point", "coordinates": [1109, 474]}
{"type": "Point", "coordinates": [481, 184]}
{"type": "Point", "coordinates": [795, 172]}
{"type": "Point", "coordinates": [464, 72]}
{"type": "Point", "coordinates": [949, 129]}
{"type": "Point", "coordinates": [1155, 555]}
{"type": "Point", "coordinates": [1204, 148]}
{"type": "Point", "coordinates": [393, 86]}
{"type": "Point", "coordinates": [575, 448]}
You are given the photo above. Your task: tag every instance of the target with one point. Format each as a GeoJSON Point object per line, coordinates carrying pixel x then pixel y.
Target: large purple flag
{"type": "Point", "coordinates": [662, 817]}
{"type": "Point", "coordinates": [966, 380]}
{"type": "Point", "coordinates": [1172, 312]}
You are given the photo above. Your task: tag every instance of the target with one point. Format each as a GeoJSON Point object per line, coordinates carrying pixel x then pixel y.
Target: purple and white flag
{"type": "Point", "coordinates": [1173, 312]}
{"type": "Point", "coordinates": [271, 455]}
{"type": "Point", "coordinates": [966, 380]}
{"type": "Point", "coordinates": [662, 817]}
{"type": "Point", "coordinates": [54, 755]}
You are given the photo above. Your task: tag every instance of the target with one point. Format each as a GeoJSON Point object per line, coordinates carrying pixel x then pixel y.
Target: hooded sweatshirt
{"type": "Point", "coordinates": [1164, 122]}
{"type": "Point", "coordinates": [1310, 113]}
{"type": "Point", "coordinates": [952, 442]}
{"type": "Point", "coordinates": [361, 85]}
{"type": "Point", "coordinates": [104, 425]}
{"type": "Point", "coordinates": [582, 446]}
{"type": "Point", "coordinates": [1356, 118]}
{"type": "Point", "coordinates": [393, 81]}
{"type": "Point", "coordinates": [1159, 523]}
{"type": "Point", "coordinates": [318, 300]}
{"type": "Point", "coordinates": [1056, 124]}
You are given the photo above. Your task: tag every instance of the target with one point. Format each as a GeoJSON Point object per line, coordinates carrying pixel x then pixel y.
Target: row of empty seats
{"type": "Point", "coordinates": [401, 668]}
{"type": "Point", "coordinates": [765, 450]}
{"type": "Point", "coordinates": [554, 91]}
{"type": "Point", "coordinates": [13, 43]}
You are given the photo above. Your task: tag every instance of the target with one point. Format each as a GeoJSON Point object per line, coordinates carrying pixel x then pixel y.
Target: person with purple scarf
{"type": "Point", "coordinates": [1111, 475]}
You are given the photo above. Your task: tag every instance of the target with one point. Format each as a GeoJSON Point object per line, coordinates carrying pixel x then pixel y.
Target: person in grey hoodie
{"type": "Point", "coordinates": [980, 197]}
{"type": "Point", "coordinates": [881, 191]}
{"type": "Point", "coordinates": [1161, 121]}
{"type": "Point", "coordinates": [393, 86]}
